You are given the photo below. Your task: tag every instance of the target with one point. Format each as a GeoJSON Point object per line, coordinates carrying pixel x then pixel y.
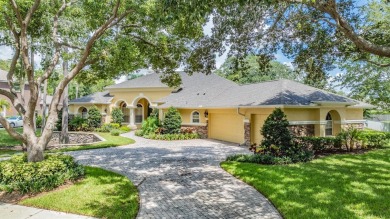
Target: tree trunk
{"type": "Point", "coordinates": [34, 152]}
{"type": "Point", "coordinates": [44, 97]}
{"type": "Point", "coordinates": [64, 138]}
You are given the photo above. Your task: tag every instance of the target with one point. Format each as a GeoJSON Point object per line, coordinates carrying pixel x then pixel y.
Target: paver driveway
{"type": "Point", "coordinates": [182, 179]}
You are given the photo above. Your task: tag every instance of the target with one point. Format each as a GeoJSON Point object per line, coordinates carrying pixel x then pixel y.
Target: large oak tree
{"type": "Point", "coordinates": [105, 37]}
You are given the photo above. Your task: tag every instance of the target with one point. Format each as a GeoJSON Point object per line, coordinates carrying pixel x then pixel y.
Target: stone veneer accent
{"type": "Point", "coordinates": [302, 130]}
{"type": "Point", "coordinates": [74, 139]}
{"type": "Point", "coordinates": [247, 133]}
{"type": "Point", "coordinates": [354, 125]}
{"type": "Point", "coordinates": [201, 130]}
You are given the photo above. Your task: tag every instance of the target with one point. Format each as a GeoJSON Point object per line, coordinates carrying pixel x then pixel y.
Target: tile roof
{"type": "Point", "coordinates": [98, 98]}
{"type": "Point", "coordinates": [200, 90]}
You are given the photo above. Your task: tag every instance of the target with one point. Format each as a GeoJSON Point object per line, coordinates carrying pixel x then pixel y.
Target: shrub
{"type": "Point", "coordinates": [275, 131]}
{"type": "Point", "coordinates": [374, 138]}
{"type": "Point", "coordinates": [117, 116]}
{"type": "Point", "coordinates": [319, 144]}
{"type": "Point", "coordinates": [259, 159]}
{"type": "Point", "coordinates": [77, 124]}
{"type": "Point", "coordinates": [139, 133]}
{"type": "Point", "coordinates": [124, 129]}
{"type": "Point", "coordinates": [39, 121]}
{"type": "Point", "coordinates": [114, 125]}
{"type": "Point", "coordinates": [350, 137]}
{"type": "Point", "coordinates": [115, 132]}
{"type": "Point", "coordinates": [103, 128]}
{"type": "Point", "coordinates": [172, 121]}
{"type": "Point", "coordinates": [94, 117]}
{"type": "Point", "coordinates": [150, 125]}
{"type": "Point", "coordinates": [172, 137]}
{"type": "Point", "coordinates": [17, 174]}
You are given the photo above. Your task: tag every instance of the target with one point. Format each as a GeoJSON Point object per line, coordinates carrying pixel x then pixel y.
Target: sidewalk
{"type": "Point", "coordinates": [9, 211]}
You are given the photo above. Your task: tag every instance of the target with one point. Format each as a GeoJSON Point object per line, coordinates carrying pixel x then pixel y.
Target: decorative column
{"type": "Point", "coordinates": [132, 118]}
{"type": "Point", "coordinates": [247, 132]}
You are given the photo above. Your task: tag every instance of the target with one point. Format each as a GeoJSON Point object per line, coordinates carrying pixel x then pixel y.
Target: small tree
{"type": "Point", "coordinates": [172, 121]}
{"type": "Point", "coordinates": [94, 117]}
{"type": "Point", "coordinates": [275, 130]}
{"type": "Point", "coordinates": [117, 116]}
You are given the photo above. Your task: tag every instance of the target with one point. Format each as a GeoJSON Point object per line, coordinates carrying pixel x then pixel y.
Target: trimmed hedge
{"type": "Point", "coordinates": [17, 174]}
{"type": "Point", "coordinates": [115, 132]}
{"type": "Point", "coordinates": [320, 144]}
{"type": "Point", "coordinates": [259, 159]}
{"type": "Point", "coordinates": [172, 137]}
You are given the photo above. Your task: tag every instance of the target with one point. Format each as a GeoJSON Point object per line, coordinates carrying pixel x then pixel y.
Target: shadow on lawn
{"type": "Point", "coordinates": [341, 186]}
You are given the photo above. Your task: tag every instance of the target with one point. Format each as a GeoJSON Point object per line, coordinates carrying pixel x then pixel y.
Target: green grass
{"type": "Point", "coordinates": [338, 186]}
{"type": "Point", "coordinates": [6, 140]}
{"type": "Point", "coordinates": [8, 153]}
{"type": "Point", "coordinates": [101, 194]}
{"type": "Point", "coordinates": [111, 141]}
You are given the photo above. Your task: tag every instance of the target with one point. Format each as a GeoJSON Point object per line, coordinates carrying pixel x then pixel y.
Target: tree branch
{"type": "Point", "coordinates": [11, 131]}
{"type": "Point", "coordinates": [330, 7]}
{"type": "Point", "coordinates": [31, 11]}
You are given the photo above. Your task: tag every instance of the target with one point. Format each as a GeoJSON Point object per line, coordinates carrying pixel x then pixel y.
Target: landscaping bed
{"type": "Point", "coordinates": [337, 186]}
{"type": "Point", "coordinates": [99, 193]}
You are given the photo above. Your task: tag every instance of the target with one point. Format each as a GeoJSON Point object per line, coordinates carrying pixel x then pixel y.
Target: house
{"type": "Point", "coordinates": [12, 111]}
{"type": "Point", "coordinates": [221, 109]}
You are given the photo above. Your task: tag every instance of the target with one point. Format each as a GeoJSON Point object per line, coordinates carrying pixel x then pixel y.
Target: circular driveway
{"type": "Point", "coordinates": [182, 179]}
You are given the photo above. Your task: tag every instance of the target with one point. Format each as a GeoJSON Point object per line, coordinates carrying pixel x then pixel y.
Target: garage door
{"type": "Point", "coordinates": [226, 127]}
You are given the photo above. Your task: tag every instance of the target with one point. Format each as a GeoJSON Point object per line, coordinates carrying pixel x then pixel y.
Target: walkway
{"type": "Point", "coordinates": [9, 211]}
{"type": "Point", "coordinates": [182, 179]}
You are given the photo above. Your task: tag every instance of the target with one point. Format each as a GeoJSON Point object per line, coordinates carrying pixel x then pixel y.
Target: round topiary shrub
{"type": "Point", "coordinates": [115, 132]}
{"type": "Point", "coordinates": [19, 175]}
{"type": "Point", "coordinates": [172, 121]}
{"type": "Point", "coordinates": [117, 116]}
{"type": "Point", "coordinates": [94, 117]}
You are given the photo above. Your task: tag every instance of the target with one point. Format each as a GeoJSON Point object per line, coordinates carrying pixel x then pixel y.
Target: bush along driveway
{"type": "Point", "coordinates": [338, 186]}
{"type": "Point", "coordinates": [182, 179]}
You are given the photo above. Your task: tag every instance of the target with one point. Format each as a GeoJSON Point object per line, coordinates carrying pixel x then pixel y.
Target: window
{"type": "Point", "coordinates": [329, 125]}
{"type": "Point", "coordinates": [139, 114]}
{"type": "Point", "coordinates": [84, 113]}
{"type": "Point", "coordinates": [195, 117]}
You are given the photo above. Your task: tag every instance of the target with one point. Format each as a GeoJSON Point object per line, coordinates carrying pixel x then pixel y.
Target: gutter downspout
{"type": "Point", "coordinates": [238, 112]}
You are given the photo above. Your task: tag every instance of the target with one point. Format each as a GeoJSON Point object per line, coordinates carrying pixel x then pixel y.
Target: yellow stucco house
{"type": "Point", "coordinates": [221, 109]}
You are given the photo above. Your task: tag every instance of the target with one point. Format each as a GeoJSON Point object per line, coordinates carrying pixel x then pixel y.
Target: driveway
{"type": "Point", "coordinates": [182, 179]}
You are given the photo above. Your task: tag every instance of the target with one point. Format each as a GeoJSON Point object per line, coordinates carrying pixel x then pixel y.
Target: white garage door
{"type": "Point", "coordinates": [226, 127]}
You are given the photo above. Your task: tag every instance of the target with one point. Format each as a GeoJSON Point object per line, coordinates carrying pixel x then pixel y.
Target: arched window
{"type": "Point", "coordinates": [195, 118]}
{"type": "Point", "coordinates": [329, 125]}
{"type": "Point", "coordinates": [139, 113]}
{"type": "Point", "coordinates": [84, 113]}
{"type": "Point", "coordinates": [123, 107]}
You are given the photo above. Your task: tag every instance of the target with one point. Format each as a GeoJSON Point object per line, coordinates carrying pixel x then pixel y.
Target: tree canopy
{"type": "Point", "coordinates": [314, 33]}
{"type": "Point", "coordinates": [248, 70]}
{"type": "Point", "coordinates": [105, 38]}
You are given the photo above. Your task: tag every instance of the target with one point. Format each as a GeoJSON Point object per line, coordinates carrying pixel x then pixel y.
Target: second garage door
{"type": "Point", "coordinates": [226, 127]}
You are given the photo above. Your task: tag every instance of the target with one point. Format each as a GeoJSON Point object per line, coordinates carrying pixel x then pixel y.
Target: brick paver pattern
{"type": "Point", "coordinates": [182, 179]}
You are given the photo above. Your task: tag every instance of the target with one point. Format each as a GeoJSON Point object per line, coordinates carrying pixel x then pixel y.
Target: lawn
{"type": "Point", "coordinates": [338, 186]}
{"type": "Point", "coordinates": [6, 140]}
{"type": "Point", "coordinates": [101, 194]}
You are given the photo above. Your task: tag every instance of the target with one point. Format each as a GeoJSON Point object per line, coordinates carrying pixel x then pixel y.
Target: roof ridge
{"type": "Point", "coordinates": [328, 92]}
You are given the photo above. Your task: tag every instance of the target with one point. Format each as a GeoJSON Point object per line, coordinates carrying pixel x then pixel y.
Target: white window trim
{"type": "Point", "coordinates": [192, 119]}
